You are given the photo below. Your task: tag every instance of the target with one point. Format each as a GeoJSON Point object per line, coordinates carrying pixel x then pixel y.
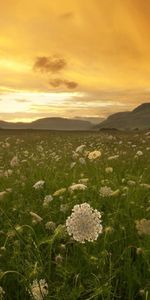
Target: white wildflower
{"type": "Point", "coordinates": [80, 148]}
{"type": "Point", "coordinates": [109, 170]}
{"type": "Point", "coordinates": [8, 173]}
{"type": "Point", "coordinates": [39, 148]}
{"type": "Point", "coordinates": [94, 155]}
{"type": "Point", "coordinates": [72, 165]}
{"type": "Point", "coordinates": [35, 218]}
{"type": "Point", "coordinates": [50, 226]}
{"type": "Point", "coordinates": [143, 226]}
{"type": "Point", "coordinates": [39, 185]}
{"type": "Point", "coordinates": [14, 162]}
{"type": "Point", "coordinates": [2, 293]}
{"type": "Point", "coordinates": [83, 180]}
{"type": "Point", "coordinates": [147, 133]}
{"type": "Point", "coordinates": [84, 224]}
{"type": "Point", "coordinates": [59, 192]}
{"type": "Point", "coordinates": [39, 289]}
{"type": "Point", "coordinates": [139, 153]}
{"type": "Point", "coordinates": [58, 259]}
{"type": "Point", "coordinates": [82, 161]}
{"type": "Point", "coordinates": [47, 200]}
{"type": "Point", "coordinates": [75, 156]}
{"type": "Point", "coordinates": [113, 157]}
{"type": "Point", "coordinates": [145, 185]}
{"type": "Point", "coordinates": [77, 186]}
{"type": "Point", "coordinates": [64, 208]}
{"type": "Point", "coordinates": [105, 191]}
{"type": "Point", "coordinates": [131, 182]}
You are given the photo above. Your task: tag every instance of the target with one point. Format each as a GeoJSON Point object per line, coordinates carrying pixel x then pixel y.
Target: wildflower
{"type": "Point", "coordinates": [1, 293]}
{"type": "Point", "coordinates": [147, 133]}
{"type": "Point", "coordinates": [82, 161]}
{"type": "Point", "coordinates": [39, 289]}
{"type": "Point", "coordinates": [83, 180]}
{"type": "Point", "coordinates": [94, 155]}
{"type": "Point", "coordinates": [139, 251]}
{"type": "Point", "coordinates": [139, 153]}
{"type": "Point", "coordinates": [80, 148]}
{"type": "Point", "coordinates": [142, 292]}
{"type": "Point", "coordinates": [59, 192]}
{"type": "Point", "coordinates": [131, 182]}
{"type": "Point", "coordinates": [115, 193]}
{"type": "Point", "coordinates": [77, 186]}
{"type": "Point", "coordinates": [113, 157]}
{"type": "Point", "coordinates": [145, 185]}
{"type": "Point", "coordinates": [64, 208]}
{"type": "Point", "coordinates": [109, 229]}
{"type": "Point", "coordinates": [14, 162]}
{"type": "Point", "coordinates": [75, 156]}
{"type": "Point", "coordinates": [105, 191]}
{"type": "Point", "coordinates": [143, 226]}
{"type": "Point", "coordinates": [58, 259]}
{"type": "Point", "coordinates": [47, 200]}
{"type": "Point", "coordinates": [39, 185]}
{"type": "Point", "coordinates": [39, 148]}
{"type": "Point", "coordinates": [8, 173]}
{"type": "Point", "coordinates": [35, 218]}
{"type": "Point", "coordinates": [72, 165]}
{"type": "Point", "coordinates": [109, 170]}
{"type": "Point", "coordinates": [84, 224]}
{"type": "Point", "coordinates": [50, 225]}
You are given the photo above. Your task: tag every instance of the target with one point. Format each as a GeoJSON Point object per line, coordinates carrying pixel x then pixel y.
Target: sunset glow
{"type": "Point", "coordinates": [73, 58]}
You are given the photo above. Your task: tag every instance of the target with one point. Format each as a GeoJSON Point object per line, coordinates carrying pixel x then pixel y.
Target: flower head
{"type": "Point", "coordinates": [94, 155]}
{"type": "Point", "coordinates": [14, 162]}
{"type": "Point", "coordinates": [77, 186]}
{"type": "Point", "coordinates": [105, 191]}
{"type": "Point", "coordinates": [47, 200]}
{"type": "Point", "coordinates": [84, 224]}
{"type": "Point", "coordinates": [35, 218]}
{"type": "Point", "coordinates": [2, 293]}
{"type": "Point", "coordinates": [39, 185]}
{"type": "Point", "coordinates": [143, 226]}
{"type": "Point", "coordinates": [39, 289]}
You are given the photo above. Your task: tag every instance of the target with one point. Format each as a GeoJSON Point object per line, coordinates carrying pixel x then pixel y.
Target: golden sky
{"type": "Point", "coordinates": [73, 57]}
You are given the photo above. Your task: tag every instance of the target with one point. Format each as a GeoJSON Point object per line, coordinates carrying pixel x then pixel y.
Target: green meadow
{"type": "Point", "coordinates": [38, 174]}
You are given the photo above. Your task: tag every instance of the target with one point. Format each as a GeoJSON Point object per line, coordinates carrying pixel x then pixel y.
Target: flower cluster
{"type": "Point", "coordinates": [77, 186]}
{"type": "Point", "coordinates": [143, 226]}
{"type": "Point", "coordinates": [84, 224]}
{"type": "Point", "coordinates": [39, 289]}
{"type": "Point", "coordinates": [2, 293]}
{"type": "Point", "coordinates": [105, 191]}
{"type": "Point", "coordinates": [94, 155]}
{"type": "Point", "coordinates": [39, 185]}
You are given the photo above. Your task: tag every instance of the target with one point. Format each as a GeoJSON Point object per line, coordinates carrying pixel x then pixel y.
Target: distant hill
{"type": "Point", "coordinates": [139, 118]}
{"type": "Point", "coordinates": [93, 120]}
{"type": "Point", "coordinates": [49, 124]}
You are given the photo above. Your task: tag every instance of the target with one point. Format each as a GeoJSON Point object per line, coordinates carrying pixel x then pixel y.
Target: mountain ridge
{"type": "Point", "coordinates": [138, 118]}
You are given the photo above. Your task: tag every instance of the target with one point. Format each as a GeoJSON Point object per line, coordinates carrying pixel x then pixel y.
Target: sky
{"type": "Point", "coordinates": [73, 58]}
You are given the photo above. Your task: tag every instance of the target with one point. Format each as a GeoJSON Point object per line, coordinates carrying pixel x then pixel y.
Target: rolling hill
{"type": "Point", "coordinates": [49, 124]}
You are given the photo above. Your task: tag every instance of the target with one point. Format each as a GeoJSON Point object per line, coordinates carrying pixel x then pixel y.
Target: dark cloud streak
{"type": "Point", "coordinates": [63, 82]}
{"type": "Point", "coordinates": [46, 64]}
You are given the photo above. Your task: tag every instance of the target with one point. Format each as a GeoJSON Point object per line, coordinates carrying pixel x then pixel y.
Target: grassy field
{"type": "Point", "coordinates": [38, 258]}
